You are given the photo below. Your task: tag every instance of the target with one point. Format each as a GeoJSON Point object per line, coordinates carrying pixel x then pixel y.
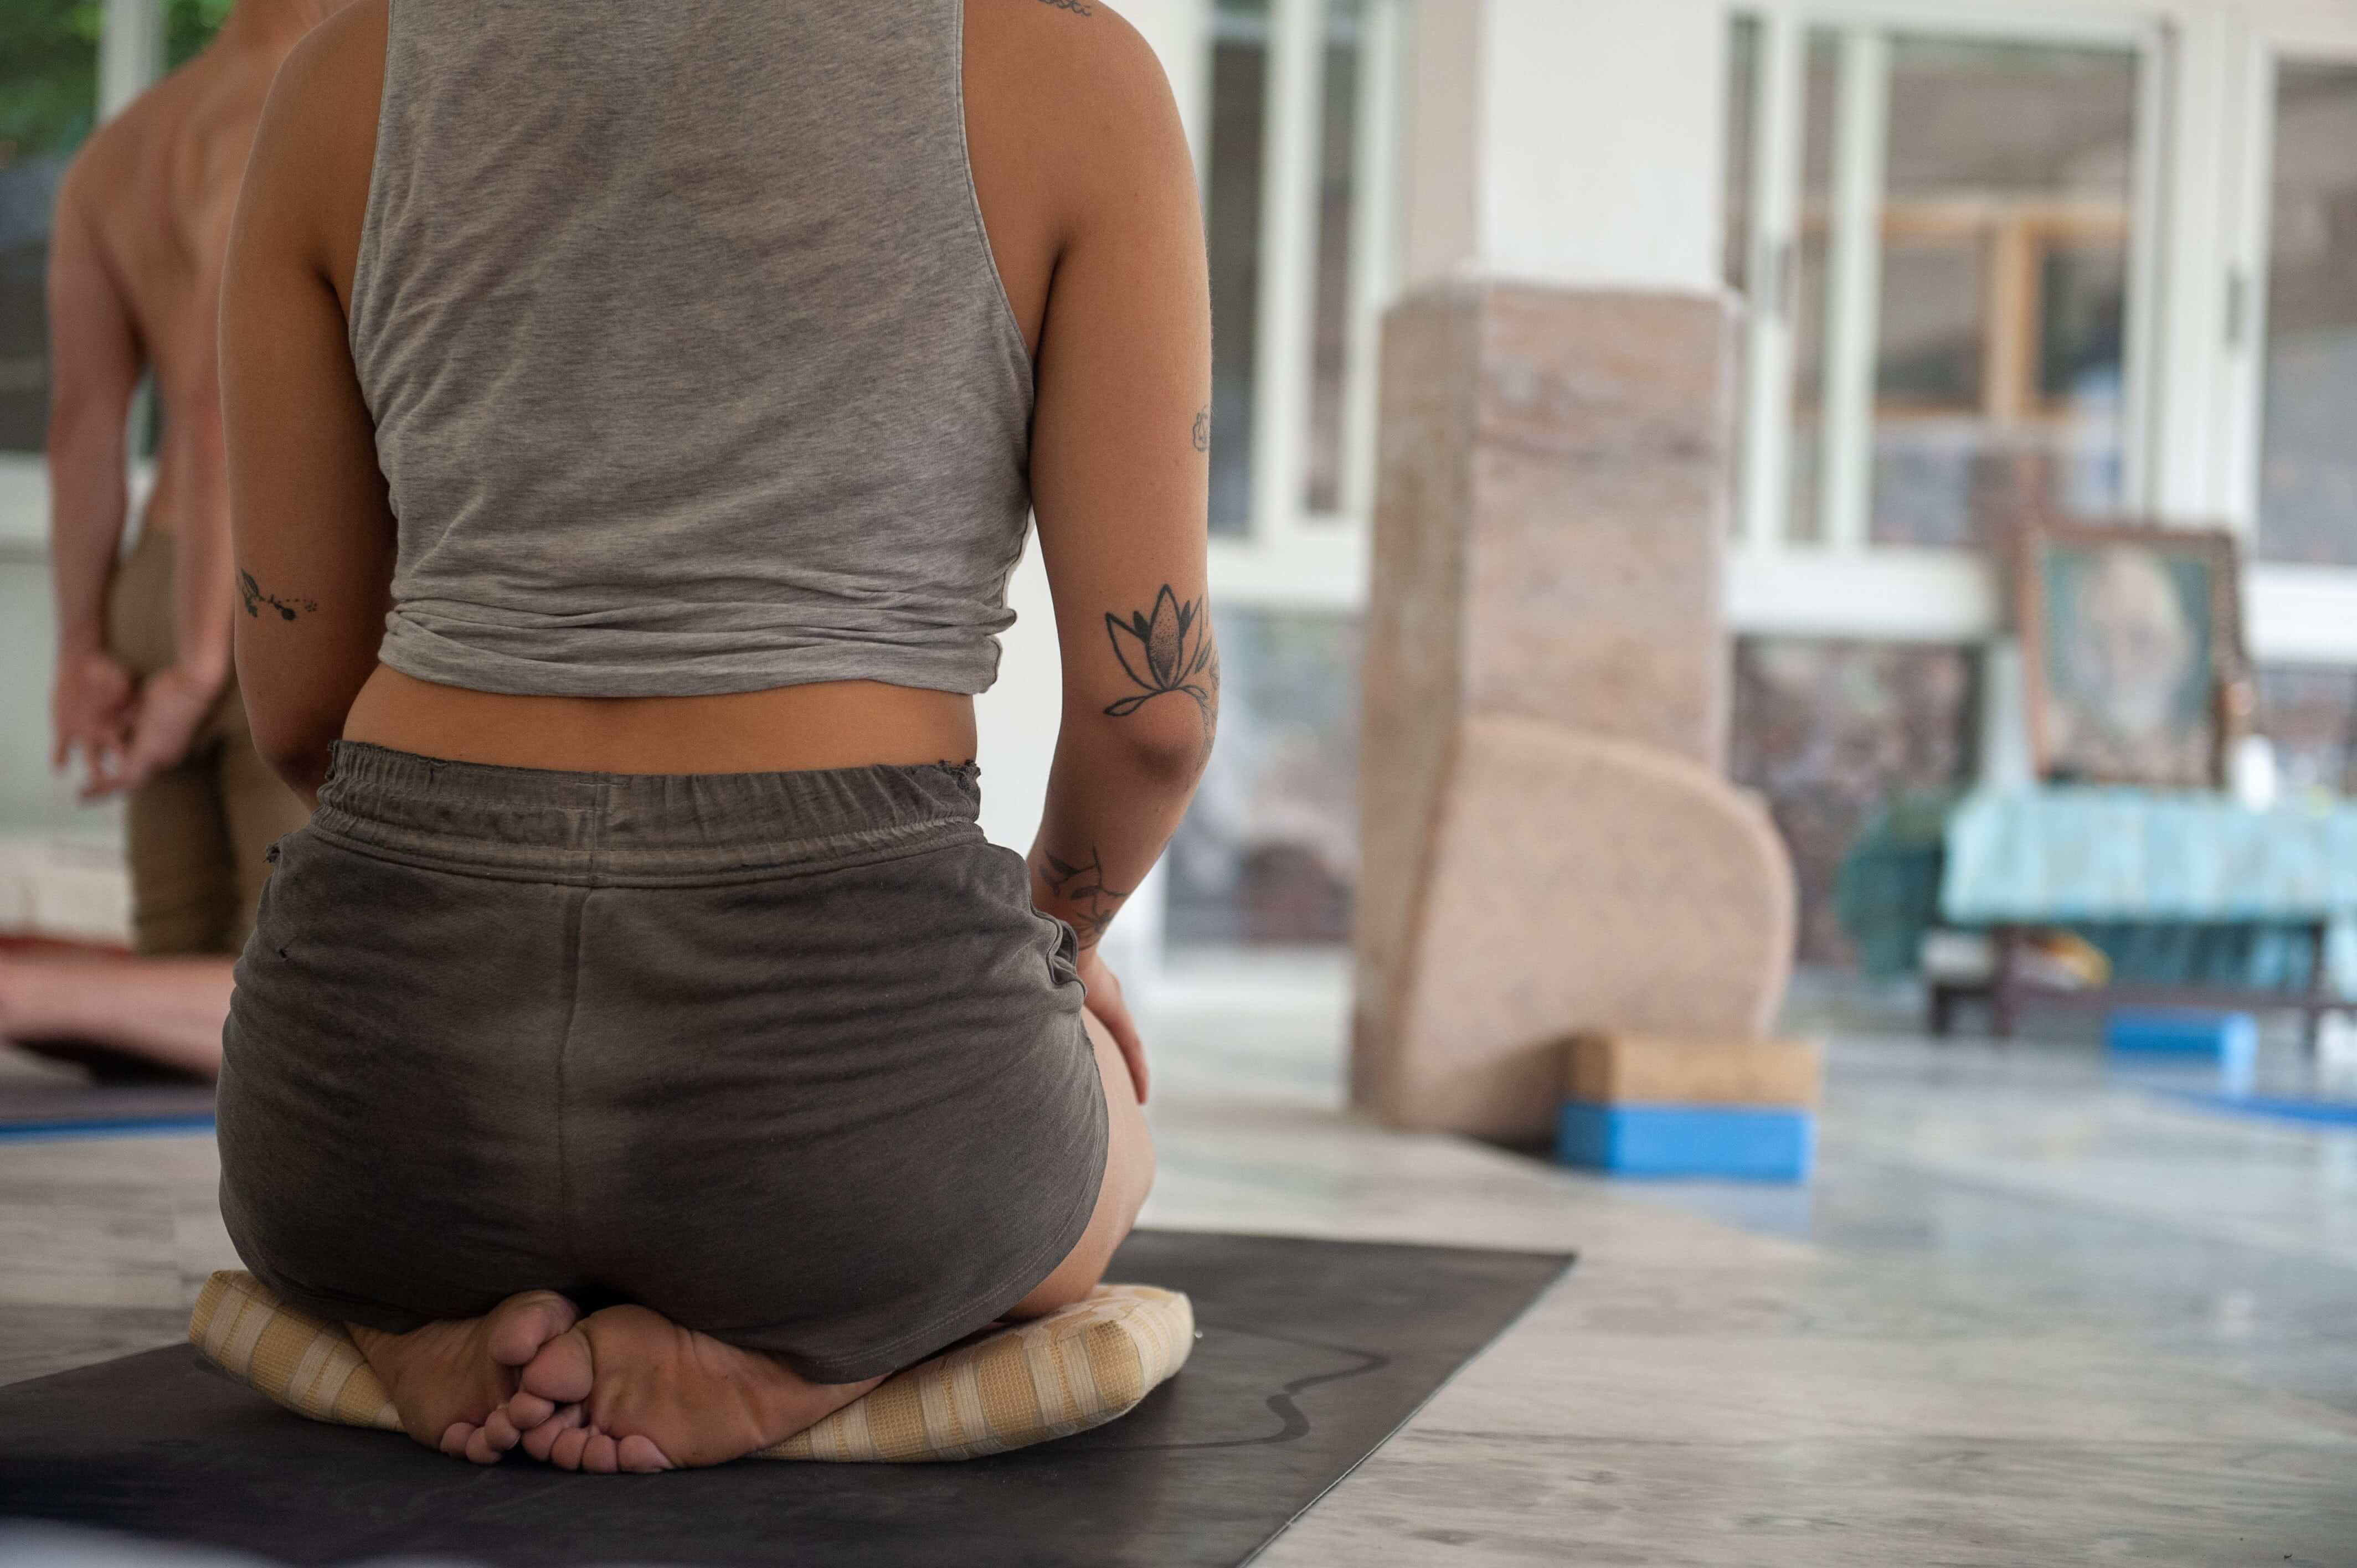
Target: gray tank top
{"type": "Point", "coordinates": [690, 366]}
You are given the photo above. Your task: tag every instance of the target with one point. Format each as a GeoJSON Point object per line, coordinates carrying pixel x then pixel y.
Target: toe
{"type": "Point", "coordinates": [526, 1411]}
{"type": "Point", "coordinates": [521, 1324]}
{"type": "Point", "coordinates": [541, 1439]}
{"type": "Point", "coordinates": [600, 1457]}
{"type": "Point", "coordinates": [455, 1437]}
{"type": "Point", "coordinates": [480, 1449]}
{"type": "Point", "coordinates": [498, 1432]}
{"type": "Point", "coordinates": [566, 1452]}
{"type": "Point", "coordinates": [560, 1370]}
{"type": "Point", "coordinates": [640, 1455]}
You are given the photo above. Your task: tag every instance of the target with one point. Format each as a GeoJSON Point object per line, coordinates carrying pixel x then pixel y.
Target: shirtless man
{"type": "Point", "coordinates": [144, 696]}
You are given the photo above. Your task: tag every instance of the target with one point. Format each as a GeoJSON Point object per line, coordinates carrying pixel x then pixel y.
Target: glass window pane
{"type": "Point", "coordinates": [1338, 153]}
{"type": "Point", "coordinates": [2308, 464]}
{"type": "Point", "coordinates": [1821, 86]}
{"type": "Point", "coordinates": [1934, 285]}
{"type": "Point", "coordinates": [1239, 108]}
{"type": "Point", "coordinates": [1742, 106]}
{"type": "Point", "coordinates": [1999, 361]}
{"type": "Point", "coordinates": [1269, 851]}
{"type": "Point", "coordinates": [48, 100]}
{"type": "Point", "coordinates": [2082, 332]}
{"type": "Point", "coordinates": [1735, 201]}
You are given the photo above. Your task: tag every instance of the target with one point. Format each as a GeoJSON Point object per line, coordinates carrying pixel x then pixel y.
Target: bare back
{"type": "Point", "coordinates": [136, 264]}
{"type": "Point", "coordinates": [144, 212]}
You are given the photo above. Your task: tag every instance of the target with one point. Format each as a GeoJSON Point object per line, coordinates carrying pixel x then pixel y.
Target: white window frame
{"type": "Point", "coordinates": [2297, 614]}
{"type": "Point", "coordinates": [1842, 584]}
{"type": "Point", "coordinates": [2192, 394]}
{"type": "Point", "coordinates": [1290, 557]}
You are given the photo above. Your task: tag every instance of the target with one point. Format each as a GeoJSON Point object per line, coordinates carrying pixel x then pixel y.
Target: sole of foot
{"type": "Point", "coordinates": [628, 1390]}
{"type": "Point", "coordinates": [451, 1381]}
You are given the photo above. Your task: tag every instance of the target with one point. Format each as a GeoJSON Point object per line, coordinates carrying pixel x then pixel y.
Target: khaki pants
{"type": "Point", "coordinates": [197, 831]}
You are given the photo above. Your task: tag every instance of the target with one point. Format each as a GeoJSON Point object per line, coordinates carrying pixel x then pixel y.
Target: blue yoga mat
{"type": "Point", "coordinates": [38, 1103]}
{"type": "Point", "coordinates": [2273, 1107]}
{"type": "Point", "coordinates": [2228, 1038]}
{"type": "Point", "coordinates": [103, 1127]}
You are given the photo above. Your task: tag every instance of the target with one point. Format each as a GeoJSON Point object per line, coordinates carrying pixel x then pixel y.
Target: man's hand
{"type": "Point", "coordinates": [90, 712]}
{"type": "Point", "coordinates": [171, 707]}
{"type": "Point", "coordinates": [1104, 1001]}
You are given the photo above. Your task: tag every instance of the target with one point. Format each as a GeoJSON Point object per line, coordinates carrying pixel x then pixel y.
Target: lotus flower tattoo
{"type": "Point", "coordinates": [1169, 650]}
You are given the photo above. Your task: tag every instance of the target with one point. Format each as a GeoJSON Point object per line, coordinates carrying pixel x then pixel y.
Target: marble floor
{"type": "Point", "coordinates": [2027, 1313]}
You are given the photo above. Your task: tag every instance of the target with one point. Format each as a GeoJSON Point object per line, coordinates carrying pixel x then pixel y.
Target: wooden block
{"type": "Point", "coordinates": [1655, 1070]}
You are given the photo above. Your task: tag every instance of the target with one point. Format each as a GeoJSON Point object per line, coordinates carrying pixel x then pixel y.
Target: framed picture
{"type": "Point", "coordinates": [2130, 636]}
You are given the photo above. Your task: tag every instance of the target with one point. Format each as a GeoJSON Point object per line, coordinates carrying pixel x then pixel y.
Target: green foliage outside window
{"type": "Point", "coordinates": [48, 66]}
{"type": "Point", "coordinates": [189, 26]}
{"type": "Point", "coordinates": [49, 75]}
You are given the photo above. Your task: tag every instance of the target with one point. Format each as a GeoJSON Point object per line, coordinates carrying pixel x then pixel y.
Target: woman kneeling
{"type": "Point", "coordinates": [634, 417]}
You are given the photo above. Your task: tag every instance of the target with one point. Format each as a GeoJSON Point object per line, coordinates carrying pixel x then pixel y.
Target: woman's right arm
{"type": "Point", "coordinates": [1120, 486]}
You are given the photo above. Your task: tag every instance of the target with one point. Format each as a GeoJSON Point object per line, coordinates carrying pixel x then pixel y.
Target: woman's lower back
{"type": "Point", "coordinates": [832, 723]}
{"type": "Point", "coordinates": [786, 1055]}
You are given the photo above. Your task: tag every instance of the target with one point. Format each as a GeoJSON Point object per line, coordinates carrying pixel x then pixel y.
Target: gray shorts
{"type": "Point", "coordinates": [789, 1057]}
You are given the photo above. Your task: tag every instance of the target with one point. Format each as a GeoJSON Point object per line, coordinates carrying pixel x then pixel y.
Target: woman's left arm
{"type": "Point", "coordinates": [309, 519]}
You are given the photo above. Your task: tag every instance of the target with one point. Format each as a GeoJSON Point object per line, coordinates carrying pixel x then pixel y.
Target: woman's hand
{"type": "Point", "coordinates": [1104, 1001]}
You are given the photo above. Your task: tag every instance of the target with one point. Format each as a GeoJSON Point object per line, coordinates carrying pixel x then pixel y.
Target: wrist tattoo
{"type": "Point", "coordinates": [1083, 887]}
{"type": "Point", "coordinates": [250, 593]}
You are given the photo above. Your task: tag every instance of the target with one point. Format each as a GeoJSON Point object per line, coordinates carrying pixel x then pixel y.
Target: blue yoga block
{"type": "Point", "coordinates": [1753, 1142]}
{"type": "Point", "coordinates": [2231, 1038]}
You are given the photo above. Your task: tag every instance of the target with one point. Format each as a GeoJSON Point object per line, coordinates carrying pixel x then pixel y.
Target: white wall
{"type": "Point", "coordinates": [1567, 142]}
{"type": "Point", "coordinates": [1180, 31]}
{"type": "Point", "coordinates": [1017, 717]}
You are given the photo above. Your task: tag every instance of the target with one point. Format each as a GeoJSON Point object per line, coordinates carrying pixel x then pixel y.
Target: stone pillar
{"type": "Point", "coordinates": [1547, 846]}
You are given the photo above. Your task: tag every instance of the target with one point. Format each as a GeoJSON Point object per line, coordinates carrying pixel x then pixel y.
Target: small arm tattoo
{"type": "Point", "coordinates": [1167, 650]}
{"type": "Point", "coordinates": [1203, 430]}
{"type": "Point", "coordinates": [251, 593]}
{"type": "Point", "coordinates": [1084, 887]}
{"type": "Point", "coordinates": [1077, 7]}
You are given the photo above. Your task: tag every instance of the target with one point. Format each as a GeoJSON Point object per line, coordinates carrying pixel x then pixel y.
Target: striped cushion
{"type": "Point", "coordinates": [1076, 1368]}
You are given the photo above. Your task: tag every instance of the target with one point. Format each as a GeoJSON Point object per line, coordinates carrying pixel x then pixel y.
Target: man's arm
{"type": "Point", "coordinates": [94, 366]}
{"type": "Point", "coordinates": [173, 703]}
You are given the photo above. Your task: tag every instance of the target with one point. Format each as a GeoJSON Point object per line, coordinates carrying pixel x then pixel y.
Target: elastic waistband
{"type": "Point", "coordinates": [644, 828]}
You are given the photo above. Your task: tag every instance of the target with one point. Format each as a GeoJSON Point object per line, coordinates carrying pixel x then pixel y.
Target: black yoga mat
{"type": "Point", "coordinates": [1312, 1353]}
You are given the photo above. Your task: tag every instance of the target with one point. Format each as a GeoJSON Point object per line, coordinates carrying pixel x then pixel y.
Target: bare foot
{"type": "Point", "coordinates": [451, 1380]}
{"type": "Point", "coordinates": [630, 1389]}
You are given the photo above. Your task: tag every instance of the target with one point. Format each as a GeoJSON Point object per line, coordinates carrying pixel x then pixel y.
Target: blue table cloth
{"type": "Point", "coordinates": [2067, 854]}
